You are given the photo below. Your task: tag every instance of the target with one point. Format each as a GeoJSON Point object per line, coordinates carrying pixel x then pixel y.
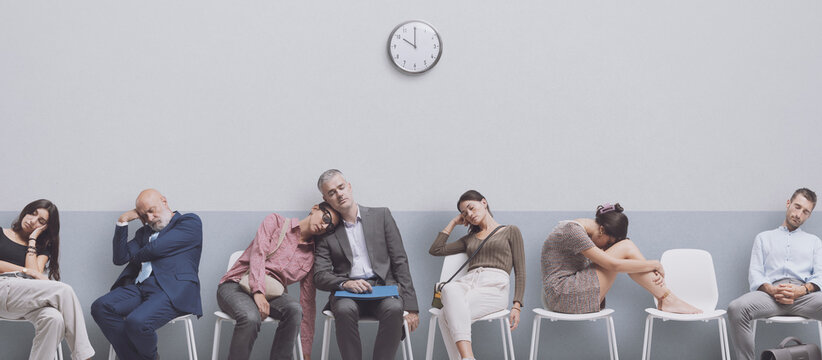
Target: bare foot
{"type": "Point", "coordinates": [673, 304]}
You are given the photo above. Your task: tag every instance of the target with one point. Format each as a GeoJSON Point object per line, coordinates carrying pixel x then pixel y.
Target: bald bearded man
{"type": "Point", "coordinates": [160, 280]}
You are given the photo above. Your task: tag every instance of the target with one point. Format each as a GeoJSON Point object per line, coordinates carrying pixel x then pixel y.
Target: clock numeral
{"type": "Point", "coordinates": [425, 63]}
{"type": "Point", "coordinates": [397, 36]}
{"type": "Point", "coordinates": [404, 30]}
{"type": "Point", "coordinates": [435, 46]}
{"type": "Point", "coordinates": [432, 56]}
{"type": "Point", "coordinates": [403, 63]}
{"type": "Point", "coordinates": [415, 65]}
{"type": "Point", "coordinates": [397, 56]}
{"type": "Point", "coordinates": [394, 46]}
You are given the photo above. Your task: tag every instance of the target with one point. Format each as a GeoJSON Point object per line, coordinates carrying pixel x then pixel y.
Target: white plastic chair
{"type": "Point", "coordinates": [223, 317]}
{"type": "Point", "coordinates": [689, 273]}
{"type": "Point", "coordinates": [192, 347]}
{"type": "Point", "coordinates": [540, 314]}
{"type": "Point", "coordinates": [449, 265]}
{"type": "Point", "coordinates": [58, 355]}
{"type": "Point", "coordinates": [785, 319]}
{"type": "Point", "coordinates": [407, 353]}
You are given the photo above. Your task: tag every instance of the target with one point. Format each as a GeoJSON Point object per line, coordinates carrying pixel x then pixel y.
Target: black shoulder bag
{"type": "Point", "coordinates": [799, 351]}
{"type": "Point", "coordinates": [437, 301]}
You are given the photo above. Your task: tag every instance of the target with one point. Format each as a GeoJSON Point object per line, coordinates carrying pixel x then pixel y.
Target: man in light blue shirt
{"type": "Point", "coordinates": [785, 275]}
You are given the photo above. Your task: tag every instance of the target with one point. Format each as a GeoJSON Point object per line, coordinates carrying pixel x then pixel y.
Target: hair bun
{"type": "Point", "coordinates": [606, 208]}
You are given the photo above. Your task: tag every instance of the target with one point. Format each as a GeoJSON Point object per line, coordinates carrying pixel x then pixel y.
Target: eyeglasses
{"type": "Point", "coordinates": [328, 220]}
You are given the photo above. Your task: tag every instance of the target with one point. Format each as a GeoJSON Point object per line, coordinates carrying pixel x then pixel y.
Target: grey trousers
{"type": "Point", "coordinates": [347, 313]}
{"type": "Point", "coordinates": [237, 303]}
{"type": "Point", "coordinates": [757, 305]}
{"type": "Point", "coordinates": [53, 309]}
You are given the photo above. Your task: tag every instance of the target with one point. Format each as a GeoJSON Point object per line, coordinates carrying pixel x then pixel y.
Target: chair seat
{"type": "Point", "coordinates": [183, 318]}
{"type": "Point", "coordinates": [573, 317]}
{"type": "Point", "coordinates": [604, 314]}
{"type": "Point", "coordinates": [365, 319]}
{"type": "Point", "coordinates": [787, 319]}
{"type": "Point", "coordinates": [225, 317]}
{"type": "Point", "coordinates": [708, 315]}
{"type": "Point", "coordinates": [489, 317]}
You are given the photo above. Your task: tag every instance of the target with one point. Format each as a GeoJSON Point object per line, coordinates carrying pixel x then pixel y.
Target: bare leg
{"type": "Point", "coordinates": [626, 249]}
{"type": "Point", "coordinates": [464, 347]}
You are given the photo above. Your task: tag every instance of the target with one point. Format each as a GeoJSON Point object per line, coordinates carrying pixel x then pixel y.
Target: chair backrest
{"type": "Point", "coordinates": [233, 258]}
{"type": "Point", "coordinates": [689, 273]}
{"type": "Point", "coordinates": [450, 265]}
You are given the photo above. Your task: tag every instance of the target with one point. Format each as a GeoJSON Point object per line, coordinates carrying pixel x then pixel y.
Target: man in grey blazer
{"type": "Point", "coordinates": [366, 251]}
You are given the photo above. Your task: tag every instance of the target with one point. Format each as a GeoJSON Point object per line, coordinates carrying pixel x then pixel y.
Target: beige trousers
{"type": "Point", "coordinates": [53, 309]}
{"type": "Point", "coordinates": [480, 292]}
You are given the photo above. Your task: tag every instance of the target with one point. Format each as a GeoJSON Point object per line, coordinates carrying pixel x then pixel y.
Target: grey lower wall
{"type": "Point", "coordinates": [86, 265]}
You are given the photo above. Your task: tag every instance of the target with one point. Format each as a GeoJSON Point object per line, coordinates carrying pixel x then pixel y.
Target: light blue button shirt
{"type": "Point", "coordinates": [145, 271]}
{"type": "Point", "coordinates": [361, 264]}
{"type": "Point", "coordinates": [779, 254]}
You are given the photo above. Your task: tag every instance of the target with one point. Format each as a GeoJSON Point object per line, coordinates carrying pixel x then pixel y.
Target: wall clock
{"type": "Point", "coordinates": [414, 47]}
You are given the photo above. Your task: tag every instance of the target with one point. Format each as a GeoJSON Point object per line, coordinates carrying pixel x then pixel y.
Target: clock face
{"type": "Point", "coordinates": [414, 47]}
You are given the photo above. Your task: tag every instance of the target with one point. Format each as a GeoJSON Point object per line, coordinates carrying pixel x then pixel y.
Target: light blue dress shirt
{"type": "Point", "coordinates": [779, 254]}
{"type": "Point", "coordinates": [361, 264]}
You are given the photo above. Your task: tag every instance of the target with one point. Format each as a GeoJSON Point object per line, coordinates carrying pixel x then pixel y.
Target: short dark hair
{"type": "Point", "coordinates": [806, 193]}
{"type": "Point", "coordinates": [473, 195]}
{"type": "Point", "coordinates": [613, 221]}
{"type": "Point", "coordinates": [327, 175]}
{"type": "Point", "coordinates": [49, 240]}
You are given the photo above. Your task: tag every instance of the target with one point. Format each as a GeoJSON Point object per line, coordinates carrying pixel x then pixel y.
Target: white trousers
{"type": "Point", "coordinates": [480, 292]}
{"type": "Point", "coordinates": [53, 309]}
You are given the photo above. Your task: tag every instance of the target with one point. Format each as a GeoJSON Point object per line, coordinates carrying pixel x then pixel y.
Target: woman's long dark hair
{"type": "Point", "coordinates": [473, 195]}
{"type": "Point", "coordinates": [613, 221]}
{"type": "Point", "coordinates": [49, 240]}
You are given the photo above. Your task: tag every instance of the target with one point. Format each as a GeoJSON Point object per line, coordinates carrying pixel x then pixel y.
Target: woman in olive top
{"type": "Point", "coordinates": [27, 250]}
{"type": "Point", "coordinates": [485, 288]}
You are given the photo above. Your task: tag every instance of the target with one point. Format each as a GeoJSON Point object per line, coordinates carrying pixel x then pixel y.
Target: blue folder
{"type": "Point", "coordinates": [377, 292]}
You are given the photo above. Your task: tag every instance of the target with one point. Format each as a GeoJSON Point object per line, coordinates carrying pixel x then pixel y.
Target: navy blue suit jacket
{"type": "Point", "coordinates": [174, 256]}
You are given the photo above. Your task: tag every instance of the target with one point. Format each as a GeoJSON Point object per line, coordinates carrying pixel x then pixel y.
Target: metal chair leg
{"type": "Point", "coordinates": [432, 329]}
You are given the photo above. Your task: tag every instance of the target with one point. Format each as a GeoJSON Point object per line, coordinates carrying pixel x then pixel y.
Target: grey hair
{"type": "Point", "coordinates": [327, 175]}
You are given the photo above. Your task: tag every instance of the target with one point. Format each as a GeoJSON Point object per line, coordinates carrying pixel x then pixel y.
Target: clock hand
{"type": "Point", "coordinates": [409, 43]}
{"type": "Point", "coordinates": [415, 37]}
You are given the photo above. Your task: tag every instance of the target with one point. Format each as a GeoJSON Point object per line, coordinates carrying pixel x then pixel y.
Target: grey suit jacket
{"type": "Point", "coordinates": [332, 258]}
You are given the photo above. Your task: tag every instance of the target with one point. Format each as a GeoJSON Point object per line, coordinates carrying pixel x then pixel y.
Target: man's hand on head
{"type": "Point", "coordinates": [128, 216]}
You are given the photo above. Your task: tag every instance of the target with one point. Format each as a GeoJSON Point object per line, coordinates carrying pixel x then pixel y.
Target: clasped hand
{"type": "Point", "coordinates": [787, 293]}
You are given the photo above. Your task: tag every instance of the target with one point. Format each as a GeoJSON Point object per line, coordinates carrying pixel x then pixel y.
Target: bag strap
{"type": "Point", "coordinates": [284, 229]}
{"type": "Point", "coordinates": [787, 340]}
{"type": "Point", "coordinates": [472, 255]}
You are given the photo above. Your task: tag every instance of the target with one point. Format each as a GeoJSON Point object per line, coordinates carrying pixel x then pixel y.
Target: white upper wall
{"type": "Point", "coordinates": [540, 105]}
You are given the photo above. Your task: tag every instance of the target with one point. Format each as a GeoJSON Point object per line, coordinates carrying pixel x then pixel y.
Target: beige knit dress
{"type": "Point", "coordinates": [570, 282]}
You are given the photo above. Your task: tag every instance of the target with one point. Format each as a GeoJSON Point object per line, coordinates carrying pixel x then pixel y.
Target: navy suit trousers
{"type": "Point", "coordinates": [130, 315]}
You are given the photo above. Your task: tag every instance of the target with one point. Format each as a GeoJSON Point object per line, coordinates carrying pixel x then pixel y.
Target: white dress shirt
{"type": "Point", "coordinates": [780, 254]}
{"type": "Point", "coordinates": [361, 264]}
